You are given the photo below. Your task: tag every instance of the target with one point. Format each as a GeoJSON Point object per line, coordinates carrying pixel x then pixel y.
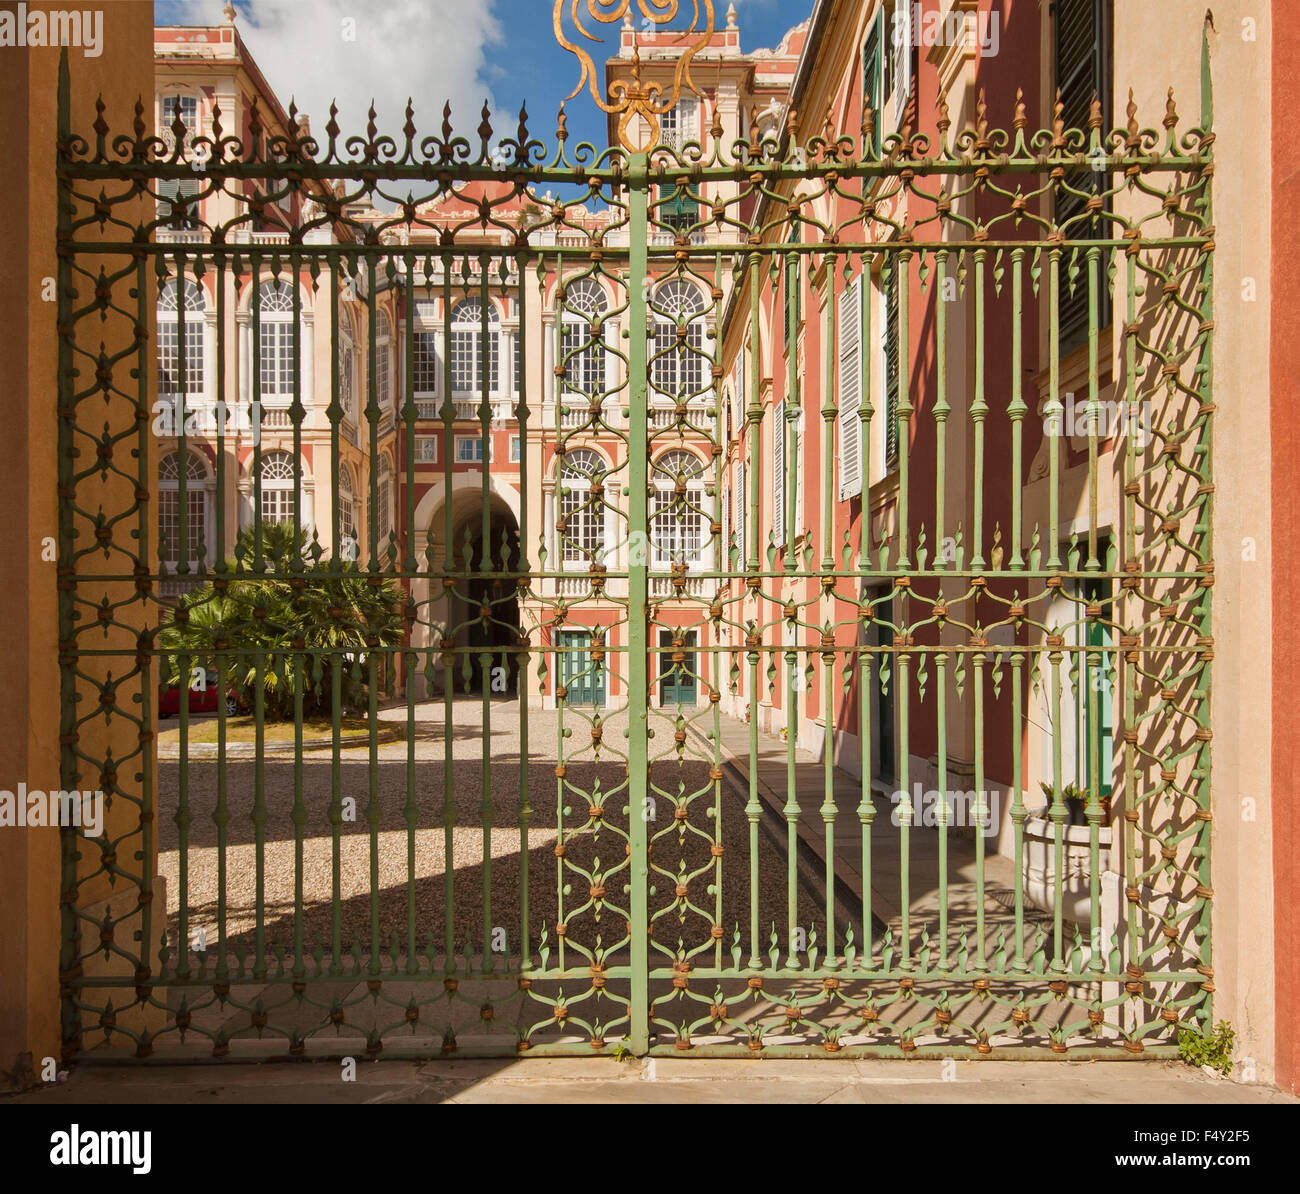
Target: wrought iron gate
{"type": "Point", "coordinates": [559, 834]}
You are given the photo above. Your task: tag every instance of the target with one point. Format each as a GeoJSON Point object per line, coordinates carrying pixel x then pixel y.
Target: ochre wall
{"type": "Point", "coordinates": [29, 697]}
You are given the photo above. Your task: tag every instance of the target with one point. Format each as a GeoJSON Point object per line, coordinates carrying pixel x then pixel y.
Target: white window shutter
{"type": "Point", "coordinates": [689, 118]}
{"type": "Point", "coordinates": [799, 524]}
{"type": "Point", "coordinates": [902, 49]}
{"type": "Point", "coordinates": [850, 389]}
{"type": "Point", "coordinates": [778, 472]}
{"type": "Point", "coordinates": [739, 506]}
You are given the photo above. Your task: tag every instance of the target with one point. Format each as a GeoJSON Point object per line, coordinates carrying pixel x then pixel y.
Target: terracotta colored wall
{"type": "Point", "coordinates": [1284, 416]}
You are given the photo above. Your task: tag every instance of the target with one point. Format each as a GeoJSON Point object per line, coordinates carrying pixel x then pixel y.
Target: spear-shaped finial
{"type": "Point", "coordinates": [1021, 118]}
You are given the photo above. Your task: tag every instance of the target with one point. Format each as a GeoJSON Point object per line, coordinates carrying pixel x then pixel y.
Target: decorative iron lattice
{"type": "Point", "coordinates": [611, 887]}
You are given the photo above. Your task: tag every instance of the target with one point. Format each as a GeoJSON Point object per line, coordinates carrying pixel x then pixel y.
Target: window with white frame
{"type": "Point", "coordinates": [677, 126]}
{"type": "Point", "coordinates": [516, 448]}
{"type": "Point", "coordinates": [384, 502]}
{"type": "Point", "coordinates": [198, 502]}
{"type": "Point", "coordinates": [349, 543]}
{"type": "Point", "coordinates": [383, 359]}
{"type": "Point", "coordinates": [677, 363]}
{"type": "Point", "coordinates": [426, 449]}
{"type": "Point", "coordinates": [470, 354]}
{"type": "Point", "coordinates": [581, 522]}
{"type": "Point", "coordinates": [677, 510]}
{"type": "Point", "coordinates": [275, 341]}
{"type": "Point", "coordinates": [180, 338]}
{"type": "Point", "coordinates": [469, 449]}
{"type": "Point", "coordinates": [187, 107]}
{"type": "Point", "coordinates": [582, 340]}
{"type": "Point", "coordinates": [347, 357]}
{"type": "Point", "coordinates": [276, 476]}
{"type": "Point", "coordinates": [426, 367]}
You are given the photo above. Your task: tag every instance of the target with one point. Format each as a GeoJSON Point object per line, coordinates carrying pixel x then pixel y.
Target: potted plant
{"type": "Point", "coordinates": [1038, 860]}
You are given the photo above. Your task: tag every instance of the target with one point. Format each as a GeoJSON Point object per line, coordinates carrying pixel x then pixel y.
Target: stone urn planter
{"type": "Point", "coordinates": [1038, 867]}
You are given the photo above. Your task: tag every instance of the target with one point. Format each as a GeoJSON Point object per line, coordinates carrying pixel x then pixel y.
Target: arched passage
{"type": "Point", "coordinates": [479, 612]}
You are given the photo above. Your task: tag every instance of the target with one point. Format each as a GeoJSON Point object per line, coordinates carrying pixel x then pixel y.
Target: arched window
{"type": "Point", "coordinates": [582, 339]}
{"type": "Point", "coordinates": [275, 341]}
{"type": "Point", "coordinates": [581, 524]}
{"type": "Point", "coordinates": [180, 340]}
{"type": "Point", "coordinates": [383, 359]}
{"type": "Point", "coordinates": [198, 503]}
{"type": "Point", "coordinates": [349, 545]}
{"type": "Point", "coordinates": [277, 487]}
{"type": "Point", "coordinates": [677, 510]}
{"type": "Point", "coordinates": [677, 365]}
{"type": "Point", "coordinates": [469, 355]}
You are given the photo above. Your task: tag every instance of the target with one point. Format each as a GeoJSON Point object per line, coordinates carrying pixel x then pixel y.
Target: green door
{"type": "Point", "coordinates": [581, 677]}
{"type": "Point", "coordinates": [677, 675]}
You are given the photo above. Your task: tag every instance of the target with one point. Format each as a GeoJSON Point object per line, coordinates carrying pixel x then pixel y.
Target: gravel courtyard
{"type": "Point", "coordinates": [409, 861]}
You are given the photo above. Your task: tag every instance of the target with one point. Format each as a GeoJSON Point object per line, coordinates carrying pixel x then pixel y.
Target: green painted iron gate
{"type": "Point", "coordinates": [489, 773]}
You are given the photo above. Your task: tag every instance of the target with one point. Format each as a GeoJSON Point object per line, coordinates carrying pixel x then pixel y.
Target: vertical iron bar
{"type": "Point", "coordinates": [637, 610]}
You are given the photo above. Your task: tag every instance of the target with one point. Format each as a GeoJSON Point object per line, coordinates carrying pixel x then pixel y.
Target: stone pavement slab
{"type": "Point", "coordinates": [651, 1081]}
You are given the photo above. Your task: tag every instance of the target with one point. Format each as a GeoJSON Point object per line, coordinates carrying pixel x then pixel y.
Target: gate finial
{"type": "Point", "coordinates": [647, 101]}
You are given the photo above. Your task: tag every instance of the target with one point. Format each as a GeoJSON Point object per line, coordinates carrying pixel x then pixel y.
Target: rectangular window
{"type": "Point", "coordinates": [169, 523]}
{"type": "Point", "coordinates": [426, 449]}
{"type": "Point", "coordinates": [469, 449]}
{"type": "Point", "coordinates": [426, 363]}
{"type": "Point", "coordinates": [275, 345]}
{"type": "Point", "coordinates": [277, 504]}
{"type": "Point", "coordinates": [383, 497]}
{"type": "Point", "coordinates": [849, 374]}
{"type": "Point", "coordinates": [169, 337]}
{"type": "Point", "coordinates": [383, 373]}
{"type": "Point", "coordinates": [516, 449]}
{"type": "Point", "coordinates": [189, 114]}
{"type": "Point", "coordinates": [467, 361]}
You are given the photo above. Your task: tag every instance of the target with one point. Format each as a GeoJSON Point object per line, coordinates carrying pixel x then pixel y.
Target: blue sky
{"type": "Point", "coordinates": [467, 51]}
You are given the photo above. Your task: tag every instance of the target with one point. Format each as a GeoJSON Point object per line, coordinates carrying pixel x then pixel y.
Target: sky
{"type": "Point", "coordinates": [465, 51]}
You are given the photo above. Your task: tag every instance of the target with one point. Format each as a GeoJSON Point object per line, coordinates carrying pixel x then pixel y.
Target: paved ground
{"type": "Point", "coordinates": [407, 865]}
{"type": "Point", "coordinates": [659, 1080]}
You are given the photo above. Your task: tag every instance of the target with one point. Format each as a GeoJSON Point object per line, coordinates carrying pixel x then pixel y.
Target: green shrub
{"type": "Point", "coordinates": [1213, 1049]}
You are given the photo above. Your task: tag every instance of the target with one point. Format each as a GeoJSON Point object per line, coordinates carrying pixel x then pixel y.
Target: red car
{"type": "Point", "coordinates": [200, 701]}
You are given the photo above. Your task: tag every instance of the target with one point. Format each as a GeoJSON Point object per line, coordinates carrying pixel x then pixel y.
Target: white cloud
{"type": "Point", "coordinates": [430, 50]}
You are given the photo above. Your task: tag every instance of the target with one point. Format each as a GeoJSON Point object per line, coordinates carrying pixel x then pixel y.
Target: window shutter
{"type": "Point", "coordinates": [871, 77]}
{"type": "Point", "coordinates": [170, 190]}
{"type": "Point", "coordinates": [891, 350]}
{"type": "Point", "coordinates": [902, 50]}
{"type": "Point", "coordinates": [1082, 67]}
{"type": "Point", "coordinates": [778, 472]}
{"type": "Point", "coordinates": [850, 389]}
{"type": "Point", "coordinates": [799, 524]}
{"type": "Point", "coordinates": [738, 503]}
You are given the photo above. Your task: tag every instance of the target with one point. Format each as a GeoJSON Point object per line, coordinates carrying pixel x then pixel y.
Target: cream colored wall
{"type": "Point", "coordinates": [1241, 721]}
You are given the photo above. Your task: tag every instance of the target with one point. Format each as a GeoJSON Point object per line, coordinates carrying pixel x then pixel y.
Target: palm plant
{"type": "Point", "coordinates": [285, 614]}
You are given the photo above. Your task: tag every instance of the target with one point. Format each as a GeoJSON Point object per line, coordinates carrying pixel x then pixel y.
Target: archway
{"type": "Point", "coordinates": [480, 612]}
